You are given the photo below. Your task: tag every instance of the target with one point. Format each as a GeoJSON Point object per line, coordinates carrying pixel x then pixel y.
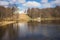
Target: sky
{"type": "Point", "coordinates": [25, 4]}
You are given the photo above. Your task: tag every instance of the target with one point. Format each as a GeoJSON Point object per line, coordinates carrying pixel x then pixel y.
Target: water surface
{"type": "Point", "coordinates": [32, 31]}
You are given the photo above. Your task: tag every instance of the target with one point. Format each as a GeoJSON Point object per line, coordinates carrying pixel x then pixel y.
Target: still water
{"type": "Point", "coordinates": [31, 31]}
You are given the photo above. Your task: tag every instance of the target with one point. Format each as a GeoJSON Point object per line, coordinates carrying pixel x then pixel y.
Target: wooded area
{"type": "Point", "coordinates": [44, 13]}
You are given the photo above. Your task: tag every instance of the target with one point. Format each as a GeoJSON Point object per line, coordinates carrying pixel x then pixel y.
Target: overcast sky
{"type": "Point", "coordinates": [24, 4]}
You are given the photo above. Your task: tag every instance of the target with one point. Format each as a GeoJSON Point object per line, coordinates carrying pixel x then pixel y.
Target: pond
{"type": "Point", "coordinates": [31, 31]}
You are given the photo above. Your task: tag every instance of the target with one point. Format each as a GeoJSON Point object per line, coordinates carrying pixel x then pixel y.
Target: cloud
{"type": "Point", "coordinates": [31, 4]}
{"type": "Point", "coordinates": [4, 3]}
{"type": "Point", "coordinates": [24, 3]}
{"type": "Point", "coordinates": [13, 0]}
{"type": "Point", "coordinates": [44, 1]}
{"type": "Point", "coordinates": [21, 1]}
{"type": "Point", "coordinates": [47, 5]}
{"type": "Point", "coordinates": [57, 2]}
{"type": "Point", "coordinates": [51, 4]}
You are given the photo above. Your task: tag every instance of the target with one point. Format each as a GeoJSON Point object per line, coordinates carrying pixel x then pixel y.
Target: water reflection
{"type": "Point", "coordinates": [32, 31]}
{"type": "Point", "coordinates": [22, 29]}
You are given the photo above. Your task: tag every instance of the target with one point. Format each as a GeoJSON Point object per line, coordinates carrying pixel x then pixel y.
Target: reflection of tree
{"type": "Point", "coordinates": [33, 26]}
